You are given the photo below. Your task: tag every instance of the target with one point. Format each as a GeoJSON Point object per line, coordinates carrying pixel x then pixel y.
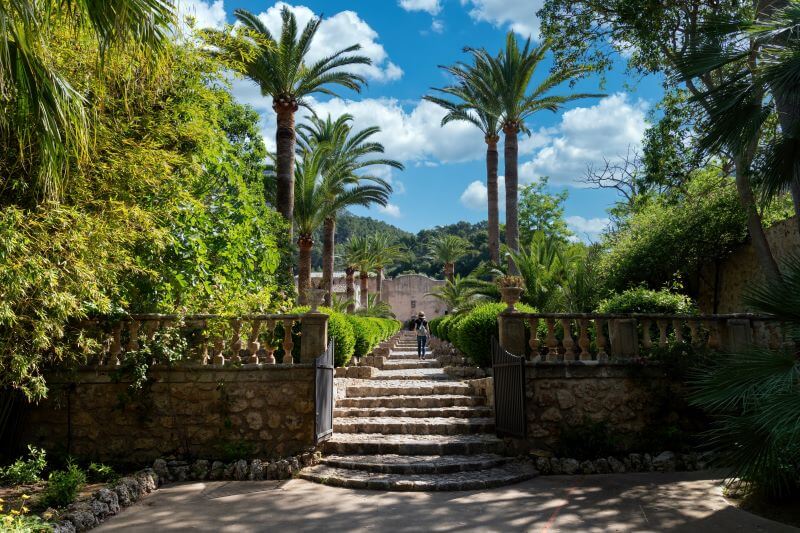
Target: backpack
{"type": "Point", "coordinates": [422, 331]}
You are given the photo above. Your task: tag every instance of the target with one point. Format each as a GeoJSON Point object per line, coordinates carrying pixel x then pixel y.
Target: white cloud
{"type": "Point", "coordinates": [517, 15]}
{"type": "Point", "coordinates": [210, 14]}
{"type": "Point", "coordinates": [390, 210]}
{"type": "Point", "coordinates": [399, 187]}
{"type": "Point", "coordinates": [476, 196]}
{"type": "Point", "coordinates": [437, 26]}
{"type": "Point", "coordinates": [429, 6]}
{"type": "Point", "coordinates": [339, 31]}
{"type": "Point", "coordinates": [585, 136]}
{"type": "Point", "coordinates": [590, 228]}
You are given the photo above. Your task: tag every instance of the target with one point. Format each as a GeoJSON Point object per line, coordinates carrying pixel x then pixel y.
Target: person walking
{"type": "Point", "coordinates": [421, 327]}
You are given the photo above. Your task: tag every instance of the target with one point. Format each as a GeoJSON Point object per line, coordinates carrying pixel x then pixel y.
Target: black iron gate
{"type": "Point", "coordinates": [323, 427]}
{"type": "Point", "coordinates": [509, 392]}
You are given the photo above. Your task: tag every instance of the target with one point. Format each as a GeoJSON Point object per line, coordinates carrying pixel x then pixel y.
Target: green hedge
{"type": "Point", "coordinates": [339, 330]}
{"type": "Point", "coordinates": [370, 331]}
{"type": "Point", "coordinates": [642, 300]}
{"type": "Point", "coordinates": [434, 326]}
{"type": "Point", "coordinates": [472, 332]}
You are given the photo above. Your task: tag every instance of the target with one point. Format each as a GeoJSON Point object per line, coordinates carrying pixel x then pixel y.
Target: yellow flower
{"type": "Point", "coordinates": [14, 512]}
{"type": "Point", "coordinates": [8, 519]}
{"type": "Point", "coordinates": [25, 509]}
{"type": "Point", "coordinates": [25, 497]}
{"type": "Point", "coordinates": [2, 500]}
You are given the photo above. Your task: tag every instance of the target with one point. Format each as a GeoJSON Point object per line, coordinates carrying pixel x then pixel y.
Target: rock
{"type": "Point", "coordinates": [587, 467]}
{"type": "Point", "coordinates": [664, 462]}
{"type": "Point", "coordinates": [626, 462]}
{"type": "Point", "coordinates": [285, 468]}
{"type": "Point", "coordinates": [295, 465]}
{"type": "Point", "coordinates": [147, 480]}
{"type": "Point", "coordinates": [81, 516]}
{"type": "Point", "coordinates": [307, 459]}
{"type": "Point", "coordinates": [636, 462]}
{"type": "Point", "coordinates": [615, 465]}
{"type": "Point", "coordinates": [570, 466]}
{"type": "Point", "coordinates": [647, 463]}
{"type": "Point", "coordinates": [256, 470]}
{"type": "Point", "coordinates": [543, 465]}
{"type": "Point", "coordinates": [99, 509]}
{"type": "Point", "coordinates": [240, 470]}
{"type": "Point", "coordinates": [123, 495]}
{"type": "Point", "coordinates": [272, 471]}
{"type": "Point", "coordinates": [64, 527]}
{"type": "Point", "coordinates": [160, 468]}
{"type": "Point", "coordinates": [317, 457]}
{"type": "Point", "coordinates": [555, 466]}
{"type": "Point", "coordinates": [229, 469]}
{"type": "Point", "coordinates": [180, 473]}
{"type": "Point", "coordinates": [200, 469]}
{"type": "Point", "coordinates": [109, 498]}
{"type": "Point", "coordinates": [217, 470]}
{"type": "Point", "coordinates": [601, 465]}
{"type": "Point", "coordinates": [565, 399]}
{"type": "Point", "coordinates": [134, 492]}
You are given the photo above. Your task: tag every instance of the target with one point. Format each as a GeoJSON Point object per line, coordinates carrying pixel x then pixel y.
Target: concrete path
{"type": "Point", "coordinates": [614, 502]}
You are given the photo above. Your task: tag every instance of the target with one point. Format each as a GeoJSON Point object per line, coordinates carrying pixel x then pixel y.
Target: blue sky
{"type": "Point", "coordinates": [445, 170]}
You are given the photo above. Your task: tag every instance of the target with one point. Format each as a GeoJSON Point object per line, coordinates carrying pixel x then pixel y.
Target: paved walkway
{"type": "Point", "coordinates": [615, 502]}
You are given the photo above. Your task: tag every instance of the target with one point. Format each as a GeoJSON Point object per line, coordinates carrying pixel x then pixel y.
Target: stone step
{"type": "Point", "coordinates": [414, 412]}
{"type": "Point", "coordinates": [377, 443]}
{"type": "Point", "coordinates": [476, 480]}
{"type": "Point", "coordinates": [412, 373]}
{"type": "Point", "coordinates": [406, 364]}
{"type": "Point", "coordinates": [405, 388]}
{"type": "Point", "coordinates": [406, 355]}
{"type": "Point", "coordinates": [416, 464]}
{"type": "Point", "coordinates": [413, 426]}
{"type": "Point", "coordinates": [405, 402]}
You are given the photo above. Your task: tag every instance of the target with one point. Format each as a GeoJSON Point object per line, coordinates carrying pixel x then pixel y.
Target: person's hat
{"type": "Point", "coordinates": [421, 314]}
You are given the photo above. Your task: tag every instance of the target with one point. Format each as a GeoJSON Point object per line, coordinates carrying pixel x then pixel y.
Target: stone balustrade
{"type": "Point", "coordinates": [211, 339]}
{"type": "Point", "coordinates": [596, 337]}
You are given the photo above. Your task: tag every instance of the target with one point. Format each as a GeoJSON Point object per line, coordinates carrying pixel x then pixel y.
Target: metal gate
{"type": "Point", "coordinates": [323, 426]}
{"type": "Point", "coordinates": [509, 392]}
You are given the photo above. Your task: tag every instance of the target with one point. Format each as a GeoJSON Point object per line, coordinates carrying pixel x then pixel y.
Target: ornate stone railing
{"type": "Point", "coordinates": [210, 339]}
{"type": "Point", "coordinates": [598, 337]}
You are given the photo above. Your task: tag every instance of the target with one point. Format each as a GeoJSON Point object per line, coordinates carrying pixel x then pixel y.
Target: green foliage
{"type": "Point", "coordinates": [19, 521]}
{"type": "Point", "coordinates": [101, 473]}
{"type": "Point", "coordinates": [25, 471]}
{"type": "Point", "coordinates": [588, 440]}
{"type": "Point", "coordinates": [541, 211]}
{"type": "Point", "coordinates": [344, 338]}
{"type": "Point", "coordinates": [370, 331]}
{"type": "Point", "coordinates": [642, 300]}
{"type": "Point", "coordinates": [472, 332]}
{"type": "Point", "coordinates": [234, 450]}
{"type": "Point", "coordinates": [63, 486]}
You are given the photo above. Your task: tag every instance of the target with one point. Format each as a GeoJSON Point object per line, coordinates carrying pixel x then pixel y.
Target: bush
{"type": "Point", "coordinates": [100, 473]}
{"type": "Point", "coordinates": [370, 331]}
{"type": "Point", "coordinates": [435, 324]}
{"type": "Point", "coordinates": [25, 471]}
{"type": "Point", "coordinates": [587, 440]}
{"type": "Point", "coordinates": [472, 332]}
{"type": "Point", "coordinates": [642, 300]}
{"type": "Point", "coordinates": [63, 486]}
{"type": "Point", "coordinates": [340, 330]}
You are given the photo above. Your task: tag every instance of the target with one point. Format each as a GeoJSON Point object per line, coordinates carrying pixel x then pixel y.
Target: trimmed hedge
{"type": "Point", "coordinates": [370, 331]}
{"type": "Point", "coordinates": [472, 333]}
{"type": "Point", "coordinates": [339, 330]}
{"type": "Point", "coordinates": [642, 300]}
{"type": "Point", "coordinates": [434, 325]}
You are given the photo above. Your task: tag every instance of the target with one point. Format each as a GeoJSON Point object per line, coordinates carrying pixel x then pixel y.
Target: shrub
{"type": "Point", "coordinates": [642, 300]}
{"type": "Point", "coordinates": [472, 332]}
{"type": "Point", "coordinates": [370, 331]}
{"type": "Point", "coordinates": [435, 324]}
{"type": "Point", "coordinates": [100, 473]}
{"type": "Point", "coordinates": [25, 471]}
{"type": "Point", "coordinates": [63, 486]}
{"type": "Point", "coordinates": [19, 521]}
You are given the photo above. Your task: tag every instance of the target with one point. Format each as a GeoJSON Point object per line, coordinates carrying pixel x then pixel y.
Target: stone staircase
{"type": "Point", "coordinates": [411, 427]}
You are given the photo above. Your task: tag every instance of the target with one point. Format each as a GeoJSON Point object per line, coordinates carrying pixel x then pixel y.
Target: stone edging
{"type": "Point", "coordinates": [634, 462]}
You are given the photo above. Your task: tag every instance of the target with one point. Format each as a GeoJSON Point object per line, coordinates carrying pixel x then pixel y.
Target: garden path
{"type": "Point", "coordinates": [411, 427]}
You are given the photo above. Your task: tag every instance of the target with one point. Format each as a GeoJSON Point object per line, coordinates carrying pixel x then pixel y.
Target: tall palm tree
{"type": "Point", "coordinates": [317, 197]}
{"type": "Point", "coordinates": [352, 152]}
{"type": "Point", "coordinates": [385, 251]}
{"type": "Point", "coordinates": [462, 293]}
{"type": "Point", "coordinates": [358, 256]}
{"type": "Point", "coordinates": [508, 76]}
{"type": "Point", "coordinates": [278, 66]}
{"type": "Point", "coordinates": [42, 116]}
{"type": "Point", "coordinates": [480, 108]}
{"type": "Point", "coordinates": [447, 249]}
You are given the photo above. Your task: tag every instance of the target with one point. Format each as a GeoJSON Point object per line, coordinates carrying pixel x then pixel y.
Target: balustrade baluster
{"type": "Point", "coordinates": [219, 345]}
{"type": "Point", "coordinates": [569, 344]}
{"type": "Point", "coordinates": [583, 340]}
{"type": "Point", "coordinates": [602, 341]}
{"type": "Point", "coordinates": [774, 336]}
{"type": "Point", "coordinates": [202, 325]}
{"type": "Point", "coordinates": [694, 331]}
{"type": "Point", "coordinates": [116, 345]}
{"type": "Point", "coordinates": [678, 329]}
{"type": "Point", "coordinates": [714, 340]}
{"type": "Point", "coordinates": [253, 345]}
{"type": "Point", "coordinates": [288, 344]}
{"type": "Point", "coordinates": [759, 333]}
{"type": "Point", "coordinates": [269, 349]}
{"type": "Point", "coordinates": [647, 341]}
{"type": "Point", "coordinates": [662, 332]}
{"type": "Point", "coordinates": [236, 340]}
{"type": "Point", "coordinates": [551, 340]}
{"type": "Point", "coordinates": [534, 340]}
{"type": "Point", "coordinates": [133, 336]}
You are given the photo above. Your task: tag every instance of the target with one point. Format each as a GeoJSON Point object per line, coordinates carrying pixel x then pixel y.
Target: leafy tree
{"type": "Point", "coordinates": [462, 294]}
{"type": "Point", "coordinates": [542, 211]}
{"type": "Point", "coordinates": [43, 115]}
{"type": "Point", "coordinates": [358, 255]}
{"type": "Point", "coordinates": [479, 107]}
{"type": "Point", "coordinates": [508, 76]}
{"type": "Point", "coordinates": [278, 66]}
{"type": "Point", "coordinates": [447, 249]}
{"type": "Point", "coordinates": [385, 251]}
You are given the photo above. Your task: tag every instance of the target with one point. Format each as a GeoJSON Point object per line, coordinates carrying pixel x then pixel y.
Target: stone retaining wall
{"type": "Point", "coordinates": [208, 412]}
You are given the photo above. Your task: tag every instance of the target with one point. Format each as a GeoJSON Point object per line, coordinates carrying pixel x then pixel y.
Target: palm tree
{"type": "Point", "coordinates": [358, 256]}
{"type": "Point", "coordinates": [376, 308]}
{"type": "Point", "coordinates": [352, 152]}
{"type": "Point", "coordinates": [43, 117]}
{"type": "Point", "coordinates": [507, 76]}
{"type": "Point", "coordinates": [462, 293]}
{"type": "Point", "coordinates": [447, 249]}
{"type": "Point", "coordinates": [278, 66]}
{"type": "Point", "coordinates": [481, 109]}
{"type": "Point", "coordinates": [317, 197]}
{"type": "Point", "coordinates": [385, 251]}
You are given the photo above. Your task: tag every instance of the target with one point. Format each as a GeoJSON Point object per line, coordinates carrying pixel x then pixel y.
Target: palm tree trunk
{"type": "Point", "coordinates": [378, 283]}
{"type": "Point", "coordinates": [364, 276]}
{"type": "Point", "coordinates": [351, 289]}
{"type": "Point", "coordinates": [788, 107]}
{"type": "Point", "coordinates": [511, 177]}
{"type": "Point", "coordinates": [285, 140]}
{"type": "Point", "coordinates": [449, 271]}
{"type": "Point", "coordinates": [304, 244]}
{"type": "Point", "coordinates": [328, 236]}
{"type": "Point", "coordinates": [754, 226]}
{"type": "Point", "coordinates": [492, 158]}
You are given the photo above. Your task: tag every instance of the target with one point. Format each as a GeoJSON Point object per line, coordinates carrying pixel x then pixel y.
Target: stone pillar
{"type": "Point", "coordinates": [624, 338]}
{"type": "Point", "coordinates": [512, 332]}
{"type": "Point", "coordinates": [739, 334]}
{"type": "Point", "coordinates": [314, 335]}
